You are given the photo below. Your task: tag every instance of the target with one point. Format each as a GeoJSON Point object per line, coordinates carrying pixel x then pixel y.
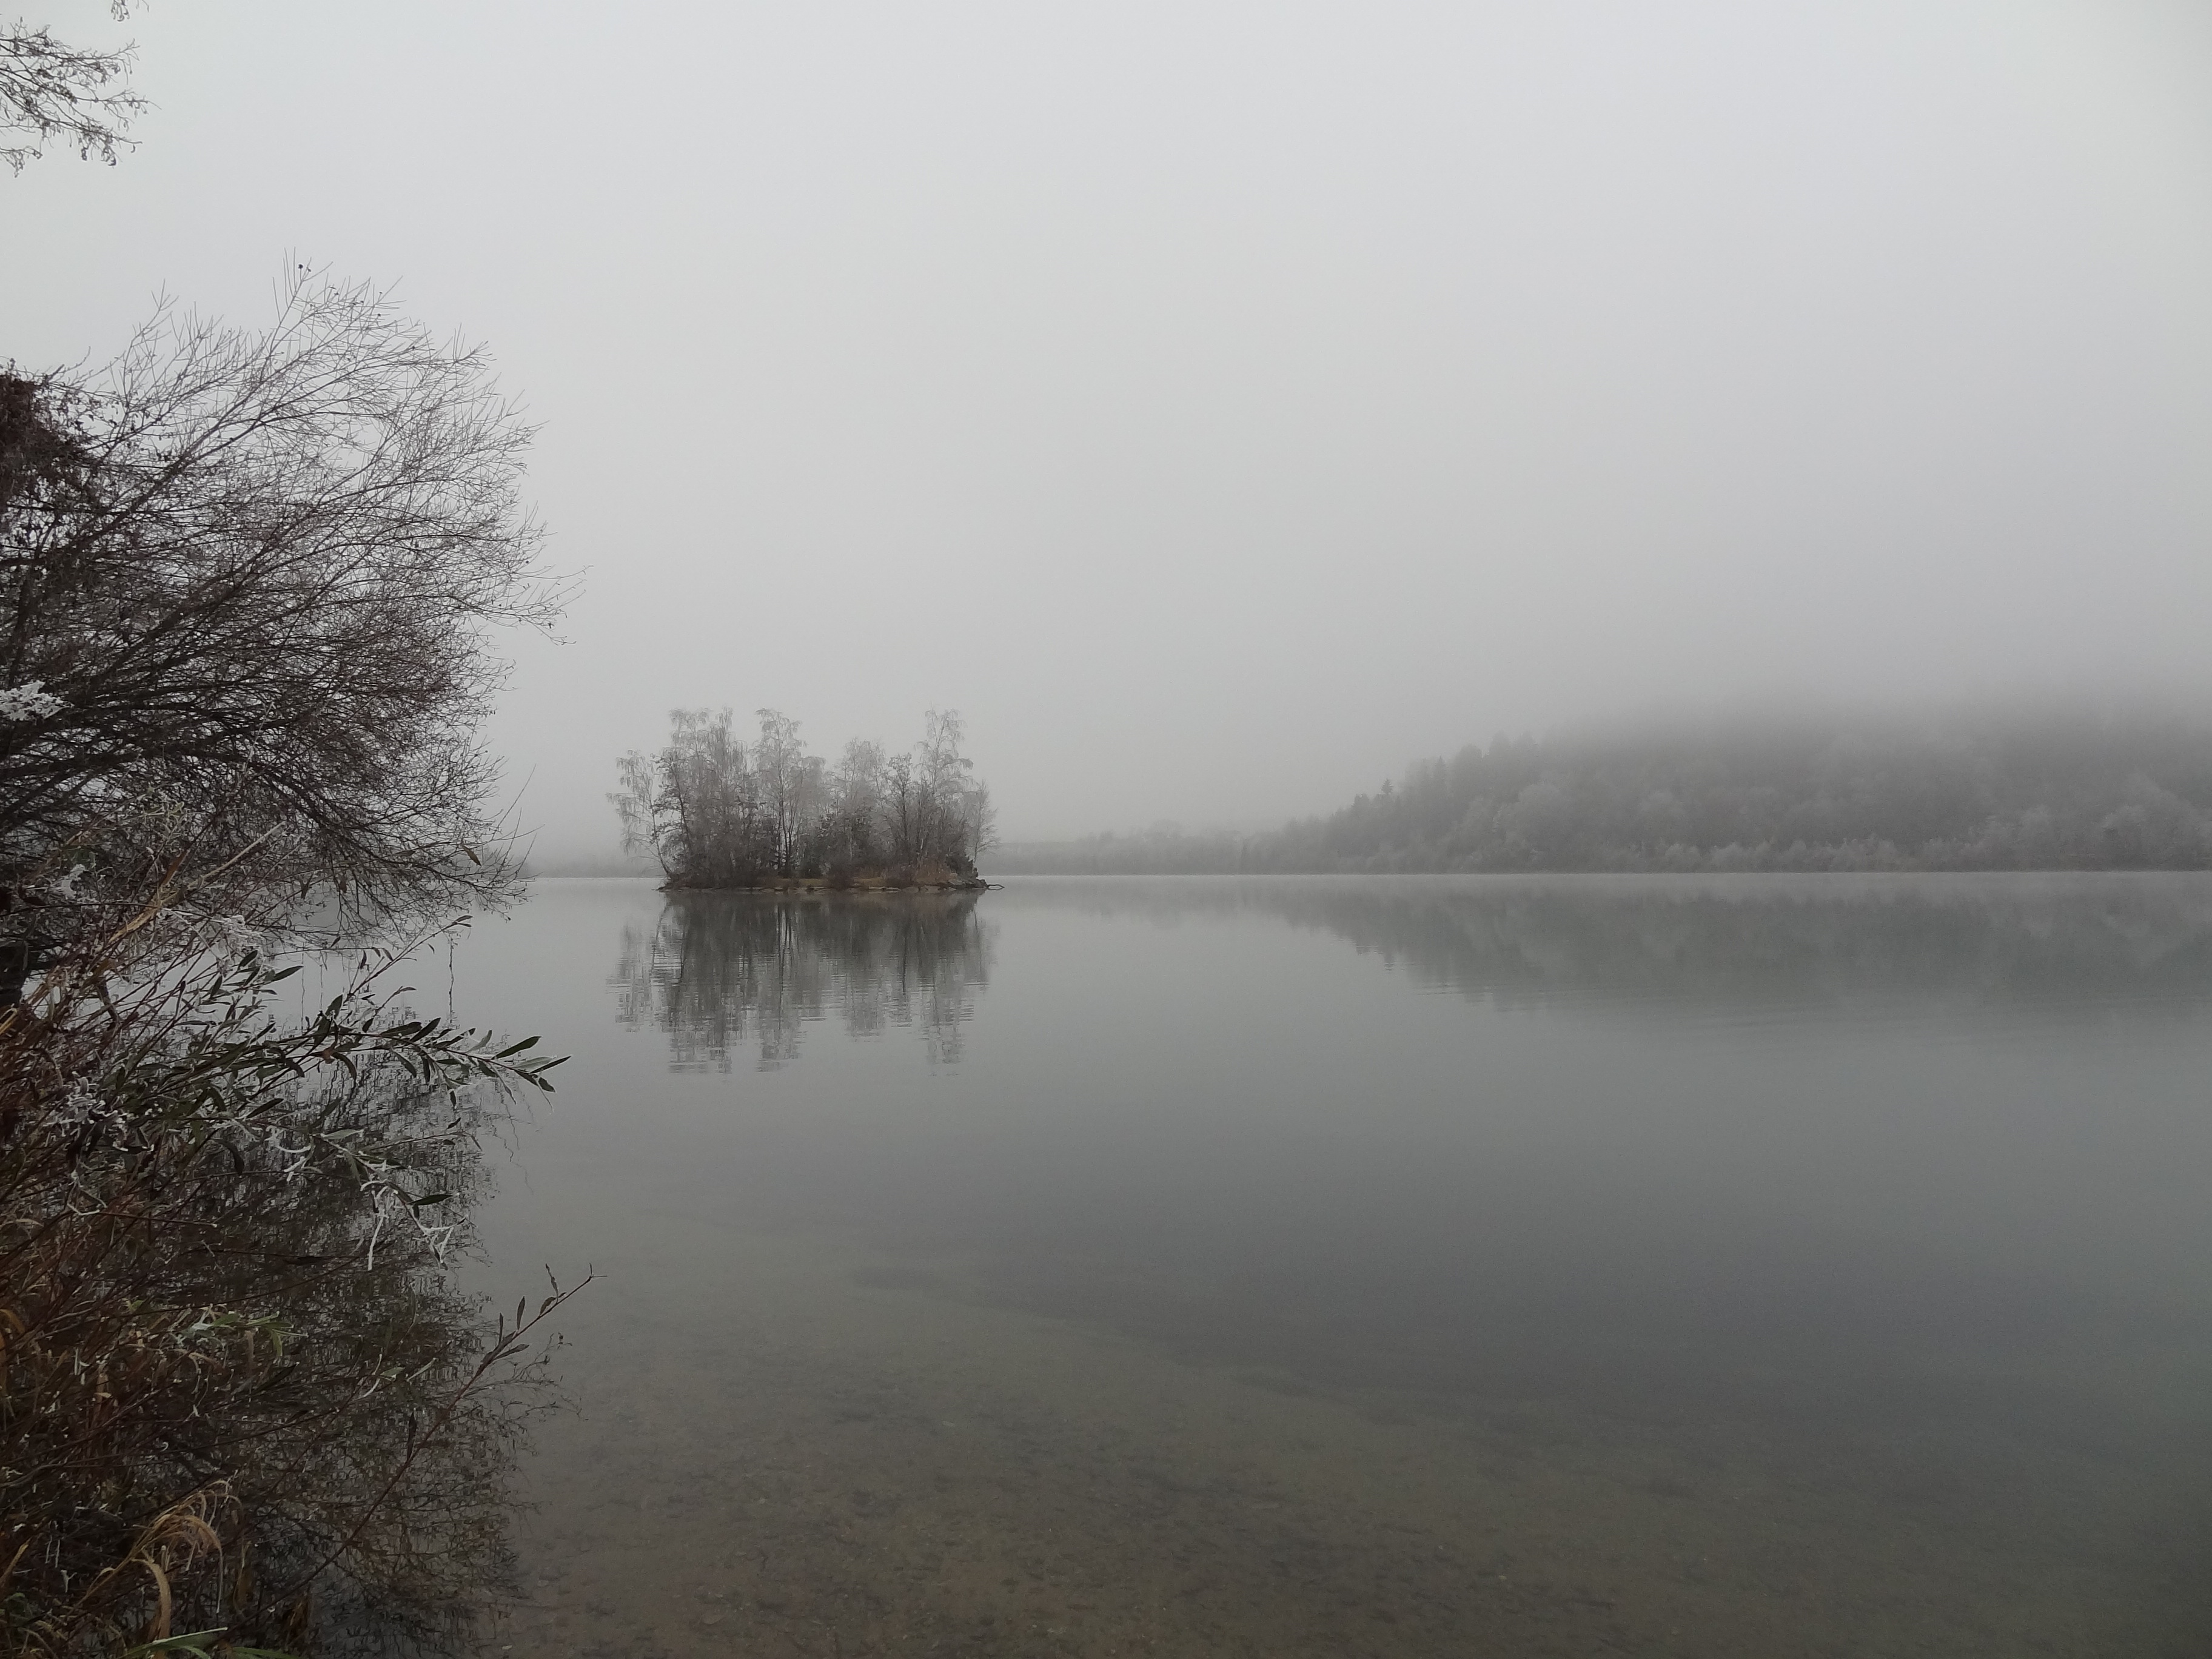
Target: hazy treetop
{"type": "Point", "coordinates": [1222, 403]}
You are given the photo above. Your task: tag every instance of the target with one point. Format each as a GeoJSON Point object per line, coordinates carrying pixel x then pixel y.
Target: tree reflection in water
{"type": "Point", "coordinates": [2065, 945]}
{"type": "Point", "coordinates": [716, 970]}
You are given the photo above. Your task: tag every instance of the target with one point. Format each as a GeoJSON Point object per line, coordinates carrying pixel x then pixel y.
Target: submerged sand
{"type": "Point", "coordinates": [839, 1453]}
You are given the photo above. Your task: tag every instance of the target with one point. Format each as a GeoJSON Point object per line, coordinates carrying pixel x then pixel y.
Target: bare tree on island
{"type": "Point", "coordinates": [717, 814]}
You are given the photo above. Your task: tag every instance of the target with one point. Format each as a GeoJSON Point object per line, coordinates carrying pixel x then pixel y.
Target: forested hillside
{"type": "Point", "coordinates": [1987, 793]}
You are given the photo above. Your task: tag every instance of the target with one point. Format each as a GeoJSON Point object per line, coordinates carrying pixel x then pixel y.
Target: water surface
{"type": "Point", "coordinates": [1657, 1266]}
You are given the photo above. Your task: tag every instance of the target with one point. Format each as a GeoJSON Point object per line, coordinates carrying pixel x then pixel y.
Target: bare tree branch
{"type": "Point", "coordinates": [246, 585]}
{"type": "Point", "coordinates": [52, 92]}
{"type": "Point", "coordinates": [719, 814]}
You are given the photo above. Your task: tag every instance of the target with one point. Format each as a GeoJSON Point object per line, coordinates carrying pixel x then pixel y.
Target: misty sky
{"type": "Point", "coordinates": [1224, 403]}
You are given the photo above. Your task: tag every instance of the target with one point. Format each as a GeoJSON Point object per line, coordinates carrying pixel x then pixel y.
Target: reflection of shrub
{"type": "Point", "coordinates": [242, 1391]}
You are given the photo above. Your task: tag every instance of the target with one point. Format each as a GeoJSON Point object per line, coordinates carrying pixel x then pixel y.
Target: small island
{"type": "Point", "coordinates": [721, 814]}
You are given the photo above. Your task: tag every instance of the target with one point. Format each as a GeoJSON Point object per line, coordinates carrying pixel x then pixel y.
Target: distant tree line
{"type": "Point", "coordinates": [719, 812]}
{"type": "Point", "coordinates": [1992, 791]}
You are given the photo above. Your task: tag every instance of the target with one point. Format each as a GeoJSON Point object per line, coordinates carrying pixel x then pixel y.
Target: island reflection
{"type": "Point", "coordinates": [724, 972]}
{"type": "Point", "coordinates": [721, 972]}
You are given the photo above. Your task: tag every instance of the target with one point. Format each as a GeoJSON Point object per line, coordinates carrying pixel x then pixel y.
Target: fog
{"type": "Point", "coordinates": [1221, 404]}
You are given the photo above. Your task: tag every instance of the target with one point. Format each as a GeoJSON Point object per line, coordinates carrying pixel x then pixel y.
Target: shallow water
{"type": "Point", "coordinates": [1701, 1267]}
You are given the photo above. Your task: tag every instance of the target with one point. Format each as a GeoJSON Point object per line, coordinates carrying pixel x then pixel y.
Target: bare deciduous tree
{"type": "Point", "coordinates": [51, 91]}
{"type": "Point", "coordinates": [717, 815]}
{"type": "Point", "coordinates": [246, 579]}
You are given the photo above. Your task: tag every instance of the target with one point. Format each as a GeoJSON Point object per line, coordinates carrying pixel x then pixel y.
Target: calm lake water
{"type": "Point", "coordinates": [1804, 1266]}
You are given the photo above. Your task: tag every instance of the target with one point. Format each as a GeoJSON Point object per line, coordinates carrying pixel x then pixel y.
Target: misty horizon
{"type": "Point", "coordinates": [1224, 408]}
{"type": "Point", "coordinates": [1419, 801]}
{"type": "Point", "coordinates": [2112, 756]}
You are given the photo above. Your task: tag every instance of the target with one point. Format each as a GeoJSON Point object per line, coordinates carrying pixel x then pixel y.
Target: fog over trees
{"type": "Point", "coordinates": [718, 812]}
{"type": "Point", "coordinates": [1975, 790]}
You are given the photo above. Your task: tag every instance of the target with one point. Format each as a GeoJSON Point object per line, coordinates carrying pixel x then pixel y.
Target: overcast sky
{"type": "Point", "coordinates": [1223, 404]}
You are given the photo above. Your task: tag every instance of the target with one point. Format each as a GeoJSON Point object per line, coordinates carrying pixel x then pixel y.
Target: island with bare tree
{"type": "Point", "coordinates": [718, 812]}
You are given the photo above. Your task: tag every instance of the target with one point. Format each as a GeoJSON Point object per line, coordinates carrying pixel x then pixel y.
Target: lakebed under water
{"type": "Point", "coordinates": [1400, 1266]}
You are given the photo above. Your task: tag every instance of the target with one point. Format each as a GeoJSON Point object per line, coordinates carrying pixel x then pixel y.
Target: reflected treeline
{"type": "Point", "coordinates": [721, 972]}
{"type": "Point", "coordinates": [1736, 943]}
